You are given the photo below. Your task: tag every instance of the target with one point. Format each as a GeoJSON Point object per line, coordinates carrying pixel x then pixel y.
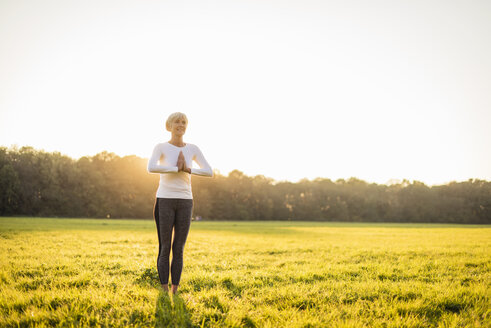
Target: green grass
{"type": "Point", "coordinates": [76, 272]}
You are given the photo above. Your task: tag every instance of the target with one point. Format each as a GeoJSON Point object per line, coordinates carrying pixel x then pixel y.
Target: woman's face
{"type": "Point", "coordinates": [178, 127]}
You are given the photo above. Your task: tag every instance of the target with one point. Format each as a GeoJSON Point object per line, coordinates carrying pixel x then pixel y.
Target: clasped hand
{"type": "Point", "coordinates": [181, 164]}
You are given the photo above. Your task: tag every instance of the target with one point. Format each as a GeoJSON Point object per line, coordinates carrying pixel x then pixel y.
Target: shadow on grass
{"type": "Point", "coordinates": [171, 311]}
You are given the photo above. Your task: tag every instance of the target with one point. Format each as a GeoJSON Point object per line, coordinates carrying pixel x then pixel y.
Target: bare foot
{"type": "Point", "coordinates": [165, 287]}
{"type": "Point", "coordinates": [174, 289]}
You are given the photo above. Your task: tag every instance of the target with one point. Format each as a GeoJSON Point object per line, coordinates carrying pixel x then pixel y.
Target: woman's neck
{"type": "Point", "coordinates": [176, 141]}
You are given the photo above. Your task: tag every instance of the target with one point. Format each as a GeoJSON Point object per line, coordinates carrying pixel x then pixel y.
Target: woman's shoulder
{"type": "Point", "coordinates": [162, 145]}
{"type": "Point", "coordinates": [192, 146]}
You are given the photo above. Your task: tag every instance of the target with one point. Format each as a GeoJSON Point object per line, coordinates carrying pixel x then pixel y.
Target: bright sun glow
{"type": "Point", "coordinates": [290, 90]}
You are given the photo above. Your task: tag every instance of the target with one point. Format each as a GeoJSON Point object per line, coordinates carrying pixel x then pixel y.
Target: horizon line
{"type": "Point", "coordinates": [389, 182]}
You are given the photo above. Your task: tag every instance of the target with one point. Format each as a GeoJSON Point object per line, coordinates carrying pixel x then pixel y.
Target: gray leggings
{"type": "Point", "coordinates": [172, 213]}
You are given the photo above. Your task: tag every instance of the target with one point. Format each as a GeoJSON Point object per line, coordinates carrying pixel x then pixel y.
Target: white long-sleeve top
{"type": "Point", "coordinates": [174, 184]}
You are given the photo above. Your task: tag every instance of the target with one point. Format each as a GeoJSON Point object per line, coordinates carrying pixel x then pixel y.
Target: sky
{"type": "Point", "coordinates": [379, 90]}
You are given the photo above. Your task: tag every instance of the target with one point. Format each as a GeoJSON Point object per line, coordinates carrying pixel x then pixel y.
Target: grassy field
{"type": "Point", "coordinates": [73, 272]}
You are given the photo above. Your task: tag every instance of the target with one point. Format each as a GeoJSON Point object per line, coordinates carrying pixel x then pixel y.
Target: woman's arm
{"type": "Point", "coordinates": [153, 163]}
{"type": "Point", "coordinates": [205, 168]}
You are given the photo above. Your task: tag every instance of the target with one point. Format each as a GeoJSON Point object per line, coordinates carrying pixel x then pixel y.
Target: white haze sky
{"type": "Point", "coordinates": [376, 90]}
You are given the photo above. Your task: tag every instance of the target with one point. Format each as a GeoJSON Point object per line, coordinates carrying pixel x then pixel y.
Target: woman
{"type": "Point", "coordinates": [174, 199]}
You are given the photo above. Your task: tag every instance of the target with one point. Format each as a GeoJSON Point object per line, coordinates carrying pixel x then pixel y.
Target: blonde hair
{"type": "Point", "coordinates": [174, 117]}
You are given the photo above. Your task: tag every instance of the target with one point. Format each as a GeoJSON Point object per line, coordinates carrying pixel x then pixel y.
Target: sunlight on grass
{"type": "Point", "coordinates": [63, 272]}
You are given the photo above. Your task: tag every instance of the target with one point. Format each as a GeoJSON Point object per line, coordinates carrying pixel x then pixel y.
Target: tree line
{"type": "Point", "coordinates": [38, 183]}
